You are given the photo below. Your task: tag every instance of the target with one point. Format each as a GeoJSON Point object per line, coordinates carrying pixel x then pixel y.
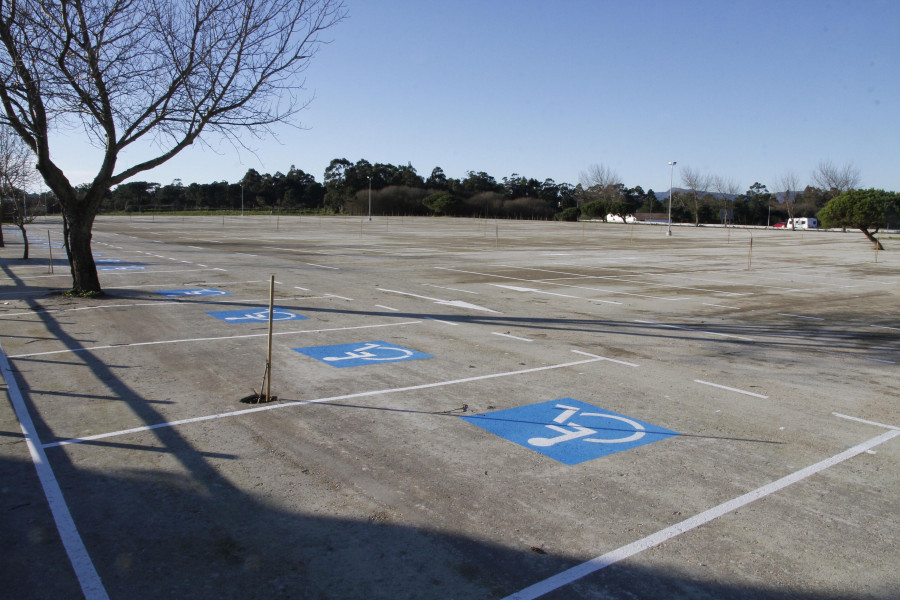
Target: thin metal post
{"type": "Point", "coordinates": [50, 246]}
{"type": "Point", "coordinates": [269, 352]}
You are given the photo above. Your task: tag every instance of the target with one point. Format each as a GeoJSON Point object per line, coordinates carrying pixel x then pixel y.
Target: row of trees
{"type": "Point", "coordinates": [348, 188]}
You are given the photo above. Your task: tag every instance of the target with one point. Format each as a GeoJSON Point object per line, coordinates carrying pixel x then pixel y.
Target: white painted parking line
{"type": "Point", "coordinates": [620, 362]}
{"type": "Point", "coordinates": [578, 287]}
{"type": "Point", "coordinates": [90, 582]}
{"type": "Point", "coordinates": [885, 327]}
{"type": "Point", "coordinates": [209, 339]}
{"type": "Point", "coordinates": [381, 392]}
{"type": "Point", "coordinates": [536, 291]}
{"type": "Point", "coordinates": [456, 303]}
{"type": "Point", "coordinates": [442, 321]}
{"type": "Point", "coordinates": [621, 278]}
{"type": "Point", "coordinates": [515, 337]}
{"type": "Point", "coordinates": [339, 297]}
{"type": "Point", "coordinates": [857, 419]}
{"type": "Point", "coordinates": [450, 288]}
{"type": "Point", "coordinates": [390, 308]}
{"type": "Point", "coordinates": [800, 316]}
{"type": "Point", "coordinates": [322, 266]}
{"type": "Point", "coordinates": [610, 558]}
{"type": "Point", "coordinates": [737, 337]}
{"type": "Point", "coordinates": [720, 305]}
{"type": "Point", "coordinates": [731, 389]}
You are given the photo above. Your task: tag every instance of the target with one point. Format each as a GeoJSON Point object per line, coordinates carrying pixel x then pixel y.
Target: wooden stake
{"type": "Point", "coordinates": [50, 246]}
{"type": "Point", "coordinates": [269, 353]}
{"type": "Point", "coordinates": [750, 256]}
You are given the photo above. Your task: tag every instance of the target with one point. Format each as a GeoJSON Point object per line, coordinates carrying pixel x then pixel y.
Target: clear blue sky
{"type": "Point", "coordinates": [746, 90]}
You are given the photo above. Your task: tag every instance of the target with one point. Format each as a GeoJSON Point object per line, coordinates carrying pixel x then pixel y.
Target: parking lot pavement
{"type": "Point", "coordinates": [466, 409]}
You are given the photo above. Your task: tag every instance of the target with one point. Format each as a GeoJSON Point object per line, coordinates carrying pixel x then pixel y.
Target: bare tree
{"type": "Point", "coordinates": [601, 183]}
{"type": "Point", "coordinates": [726, 188]}
{"type": "Point", "coordinates": [696, 182]}
{"type": "Point", "coordinates": [159, 72]}
{"type": "Point", "coordinates": [835, 180]}
{"type": "Point", "coordinates": [17, 174]}
{"type": "Point", "coordinates": [790, 183]}
{"type": "Point", "coordinates": [599, 176]}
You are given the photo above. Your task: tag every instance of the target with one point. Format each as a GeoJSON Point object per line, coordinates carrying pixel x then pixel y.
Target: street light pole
{"type": "Point", "coordinates": [672, 164]}
{"type": "Point", "coordinates": [370, 197]}
{"type": "Point", "coordinates": [242, 199]}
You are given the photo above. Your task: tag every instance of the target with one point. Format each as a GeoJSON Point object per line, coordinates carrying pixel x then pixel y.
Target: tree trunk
{"type": "Point", "coordinates": [872, 238]}
{"type": "Point", "coordinates": [24, 242]}
{"type": "Point", "coordinates": [81, 259]}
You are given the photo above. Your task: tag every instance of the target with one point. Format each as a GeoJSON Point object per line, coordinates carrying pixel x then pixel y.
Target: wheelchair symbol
{"type": "Point", "coordinates": [263, 315]}
{"type": "Point", "coordinates": [204, 292]}
{"type": "Point", "coordinates": [381, 353]}
{"type": "Point", "coordinates": [574, 431]}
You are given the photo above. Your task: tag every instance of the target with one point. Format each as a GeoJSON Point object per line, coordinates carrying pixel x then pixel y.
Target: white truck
{"type": "Point", "coordinates": [802, 223]}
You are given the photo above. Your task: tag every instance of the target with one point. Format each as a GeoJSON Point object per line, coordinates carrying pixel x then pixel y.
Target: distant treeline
{"type": "Point", "coordinates": [351, 188]}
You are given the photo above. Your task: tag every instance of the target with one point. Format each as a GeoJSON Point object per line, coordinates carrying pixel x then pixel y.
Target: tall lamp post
{"type": "Point", "coordinates": [242, 199]}
{"type": "Point", "coordinates": [370, 197]}
{"type": "Point", "coordinates": [672, 164]}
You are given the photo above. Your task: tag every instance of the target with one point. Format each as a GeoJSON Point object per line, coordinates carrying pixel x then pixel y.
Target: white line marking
{"type": "Point", "coordinates": [90, 582]}
{"type": "Point", "coordinates": [620, 278]}
{"type": "Point", "coordinates": [610, 558]}
{"type": "Point", "coordinates": [536, 291]}
{"type": "Point", "coordinates": [209, 339]}
{"type": "Point", "coordinates": [390, 308]}
{"type": "Point", "coordinates": [737, 337]}
{"type": "Point", "coordinates": [451, 289]}
{"type": "Point", "coordinates": [382, 392]}
{"type": "Point", "coordinates": [456, 303]}
{"type": "Point", "coordinates": [322, 266]}
{"type": "Point", "coordinates": [720, 305]}
{"type": "Point", "coordinates": [515, 337]}
{"type": "Point", "coordinates": [442, 321]}
{"type": "Point", "coordinates": [877, 424]}
{"type": "Point", "coordinates": [620, 362]}
{"type": "Point", "coordinates": [339, 297]}
{"type": "Point", "coordinates": [731, 389]}
{"type": "Point", "coordinates": [885, 327]}
{"type": "Point", "coordinates": [800, 316]}
{"type": "Point", "coordinates": [297, 287]}
{"type": "Point", "coordinates": [579, 287]}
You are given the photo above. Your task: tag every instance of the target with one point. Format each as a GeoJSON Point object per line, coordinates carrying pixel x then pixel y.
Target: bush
{"type": "Point", "coordinates": [569, 214]}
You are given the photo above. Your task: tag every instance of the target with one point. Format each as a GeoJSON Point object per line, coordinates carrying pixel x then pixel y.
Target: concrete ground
{"type": "Point", "coordinates": [386, 469]}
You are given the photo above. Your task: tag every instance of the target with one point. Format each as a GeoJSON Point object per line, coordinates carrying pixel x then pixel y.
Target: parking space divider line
{"type": "Point", "coordinates": [247, 411]}
{"type": "Point", "coordinates": [610, 558]}
{"type": "Point", "coordinates": [90, 582]}
{"type": "Point", "coordinates": [210, 339]}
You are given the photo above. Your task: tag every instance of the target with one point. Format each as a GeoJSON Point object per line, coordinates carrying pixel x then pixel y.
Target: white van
{"type": "Point", "coordinates": [802, 223]}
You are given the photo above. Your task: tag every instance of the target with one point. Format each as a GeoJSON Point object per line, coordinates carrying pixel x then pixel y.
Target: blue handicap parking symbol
{"type": "Point", "coordinates": [255, 315]}
{"type": "Point", "coordinates": [361, 353]}
{"type": "Point", "coordinates": [568, 430]}
{"type": "Point", "coordinates": [199, 292]}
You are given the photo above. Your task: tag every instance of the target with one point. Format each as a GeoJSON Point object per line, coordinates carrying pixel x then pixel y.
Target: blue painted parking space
{"type": "Point", "coordinates": [194, 292]}
{"type": "Point", "coordinates": [362, 353]}
{"type": "Point", "coordinates": [568, 430]}
{"type": "Point", "coordinates": [255, 315]}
